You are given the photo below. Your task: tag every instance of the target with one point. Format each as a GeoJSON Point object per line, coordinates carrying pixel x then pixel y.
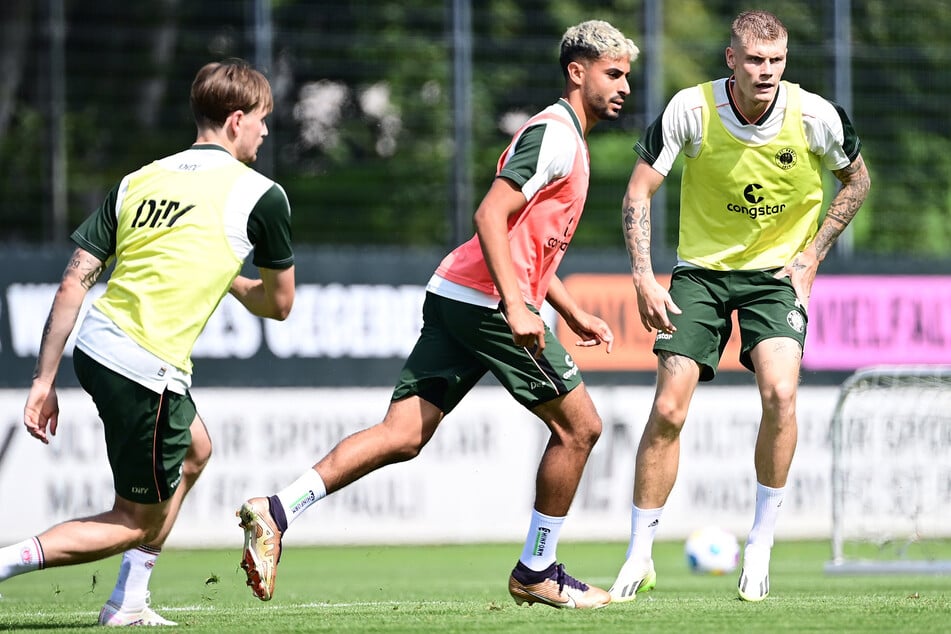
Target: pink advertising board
{"type": "Point", "coordinates": [857, 321]}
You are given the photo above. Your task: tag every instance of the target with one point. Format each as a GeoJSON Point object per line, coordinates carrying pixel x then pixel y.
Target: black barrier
{"type": "Point", "coordinates": [355, 318]}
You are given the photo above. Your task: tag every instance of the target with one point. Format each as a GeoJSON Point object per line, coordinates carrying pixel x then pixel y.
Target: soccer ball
{"type": "Point", "coordinates": [712, 550]}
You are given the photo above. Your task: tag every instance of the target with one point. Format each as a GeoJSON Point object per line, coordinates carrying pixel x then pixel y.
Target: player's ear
{"type": "Point", "coordinates": [233, 122]}
{"type": "Point", "coordinates": [730, 57]}
{"type": "Point", "coordinates": [576, 71]}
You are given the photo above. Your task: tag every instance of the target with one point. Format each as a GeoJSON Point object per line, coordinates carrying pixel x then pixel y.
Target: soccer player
{"type": "Point", "coordinates": [481, 315]}
{"type": "Point", "coordinates": [179, 229]}
{"type": "Point", "coordinates": [750, 242]}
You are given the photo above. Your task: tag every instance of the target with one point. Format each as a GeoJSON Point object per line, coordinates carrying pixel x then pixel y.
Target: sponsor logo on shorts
{"type": "Point", "coordinates": [140, 490]}
{"type": "Point", "coordinates": [663, 336]}
{"type": "Point", "coordinates": [573, 367]}
{"type": "Point", "coordinates": [174, 483]}
{"type": "Point", "coordinates": [795, 320]}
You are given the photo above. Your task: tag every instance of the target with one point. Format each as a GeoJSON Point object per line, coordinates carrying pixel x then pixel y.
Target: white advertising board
{"type": "Point", "coordinates": [473, 482]}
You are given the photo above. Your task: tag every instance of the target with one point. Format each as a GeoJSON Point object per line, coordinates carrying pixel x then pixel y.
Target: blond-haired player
{"type": "Point", "coordinates": [750, 242]}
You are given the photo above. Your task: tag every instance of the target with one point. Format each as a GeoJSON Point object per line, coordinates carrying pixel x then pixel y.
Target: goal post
{"type": "Point", "coordinates": [891, 471]}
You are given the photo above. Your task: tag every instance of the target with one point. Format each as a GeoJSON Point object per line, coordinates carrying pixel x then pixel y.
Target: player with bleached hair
{"type": "Point", "coordinates": [750, 242]}
{"type": "Point", "coordinates": [481, 315]}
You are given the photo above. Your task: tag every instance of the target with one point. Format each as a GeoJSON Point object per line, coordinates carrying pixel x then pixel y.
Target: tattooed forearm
{"type": "Point", "coordinates": [629, 221]}
{"type": "Point", "coordinates": [47, 328]}
{"type": "Point", "coordinates": [637, 236]}
{"type": "Point", "coordinates": [826, 237]}
{"type": "Point", "coordinates": [82, 272]}
{"type": "Point", "coordinates": [855, 186]}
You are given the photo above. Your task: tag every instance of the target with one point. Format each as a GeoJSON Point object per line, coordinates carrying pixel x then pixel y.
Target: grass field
{"type": "Point", "coordinates": [463, 589]}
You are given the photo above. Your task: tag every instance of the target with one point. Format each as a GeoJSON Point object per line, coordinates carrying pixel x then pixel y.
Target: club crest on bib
{"type": "Point", "coordinates": [786, 158]}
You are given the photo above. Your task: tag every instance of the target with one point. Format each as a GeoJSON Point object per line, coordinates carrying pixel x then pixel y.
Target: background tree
{"type": "Point", "coordinates": [362, 135]}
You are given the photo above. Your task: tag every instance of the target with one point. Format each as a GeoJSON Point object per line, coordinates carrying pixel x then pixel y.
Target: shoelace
{"type": "Point", "coordinates": [564, 579]}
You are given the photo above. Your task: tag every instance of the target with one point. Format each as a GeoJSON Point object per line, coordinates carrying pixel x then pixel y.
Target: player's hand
{"type": "Point", "coordinates": [654, 305]}
{"type": "Point", "coordinates": [41, 411]}
{"type": "Point", "coordinates": [801, 271]}
{"type": "Point", "coordinates": [593, 331]}
{"type": "Point", "coordinates": [528, 329]}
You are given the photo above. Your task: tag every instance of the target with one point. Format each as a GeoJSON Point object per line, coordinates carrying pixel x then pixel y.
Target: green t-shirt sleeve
{"type": "Point", "coordinates": [269, 230]}
{"type": "Point", "coordinates": [523, 162]}
{"type": "Point", "coordinates": [851, 144]}
{"type": "Point", "coordinates": [97, 233]}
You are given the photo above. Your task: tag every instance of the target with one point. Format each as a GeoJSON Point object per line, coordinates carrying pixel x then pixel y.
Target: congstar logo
{"type": "Point", "coordinates": [751, 195]}
{"type": "Point", "coordinates": [755, 207]}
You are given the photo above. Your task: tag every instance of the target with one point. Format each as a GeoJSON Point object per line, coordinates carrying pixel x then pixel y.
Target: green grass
{"type": "Point", "coordinates": [463, 589]}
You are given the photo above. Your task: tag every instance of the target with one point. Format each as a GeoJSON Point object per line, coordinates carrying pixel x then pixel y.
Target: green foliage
{"type": "Point", "coordinates": [612, 159]}
{"type": "Point", "coordinates": [384, 176]}
{"type": "Point", "coordinates": [900, 68]}
{"type": "Point", "coordinates": [23, 157]}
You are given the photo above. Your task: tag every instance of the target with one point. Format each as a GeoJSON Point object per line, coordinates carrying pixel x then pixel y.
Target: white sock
{"type": "Point", "coordinates": [768, 502]}
{"type": "Point", "coordinates": [25, 556]}
{"type": "Point", "coordinates": [541, 545]}
{"type": "Point", "coordinates": [301, 493]}
{"type": "Point", "coordinates": [132, 585]}
{"type": "Point", "coordinates": [644, 523]}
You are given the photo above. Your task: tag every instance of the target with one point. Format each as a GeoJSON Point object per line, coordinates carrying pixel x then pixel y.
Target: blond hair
{"type": "Point", "coordinates": [221, 88]}
{"type": "Point", "coordinates": [756, 26]}
{"type": "Point", "coordinates": [594, 40]}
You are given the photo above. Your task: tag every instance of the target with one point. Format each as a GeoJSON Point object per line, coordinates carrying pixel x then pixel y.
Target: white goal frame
{"type": "Point", "coordinates": [883, 376]}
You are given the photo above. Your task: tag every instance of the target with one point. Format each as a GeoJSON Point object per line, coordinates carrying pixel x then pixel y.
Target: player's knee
{"type": "Point", "coordinates": [196, 460]}
{"type": "Point", "coordinates": [668, 416]}
{"type": "Point", "coordinates": [151, 533]}
{"type": "Point", "coordinates": [779, 397]}
{"type": "Point", "coordinates": [143, 522]}
{"type": "Point", "coordinates": [592, 430]}
{"type": "Point", "coordinates": [581, 433]}
{"type": "Point", "coordinates": [399, 444]}
{"type": "Point", "coordinates": [408, 446]}
{"type": "Point", "coordinates": [401, 437]}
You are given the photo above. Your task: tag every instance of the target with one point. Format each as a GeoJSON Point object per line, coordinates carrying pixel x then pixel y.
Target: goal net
{"type": "Point", "coordinates": [891, 471]}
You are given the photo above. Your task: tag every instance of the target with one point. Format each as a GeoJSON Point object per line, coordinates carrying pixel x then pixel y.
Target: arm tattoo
{"type": "Point", "coordinates": [855, 185]}
{"type": "Point", "coordinates": [88, 267]}
{"type": "Point", "coordinates": [637, 236]}
{"type": "Point", "coordinates": [92, 276]}
{"type": "Point", "coordinates": [47, 328]}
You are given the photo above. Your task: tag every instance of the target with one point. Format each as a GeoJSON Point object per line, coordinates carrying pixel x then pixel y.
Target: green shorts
{"type": "Point", "coordinates": [147, 434]}
{"type": "Point", "coordinates": [765, 306]}
{"type": "Point", "coordinates": [460, 342]}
